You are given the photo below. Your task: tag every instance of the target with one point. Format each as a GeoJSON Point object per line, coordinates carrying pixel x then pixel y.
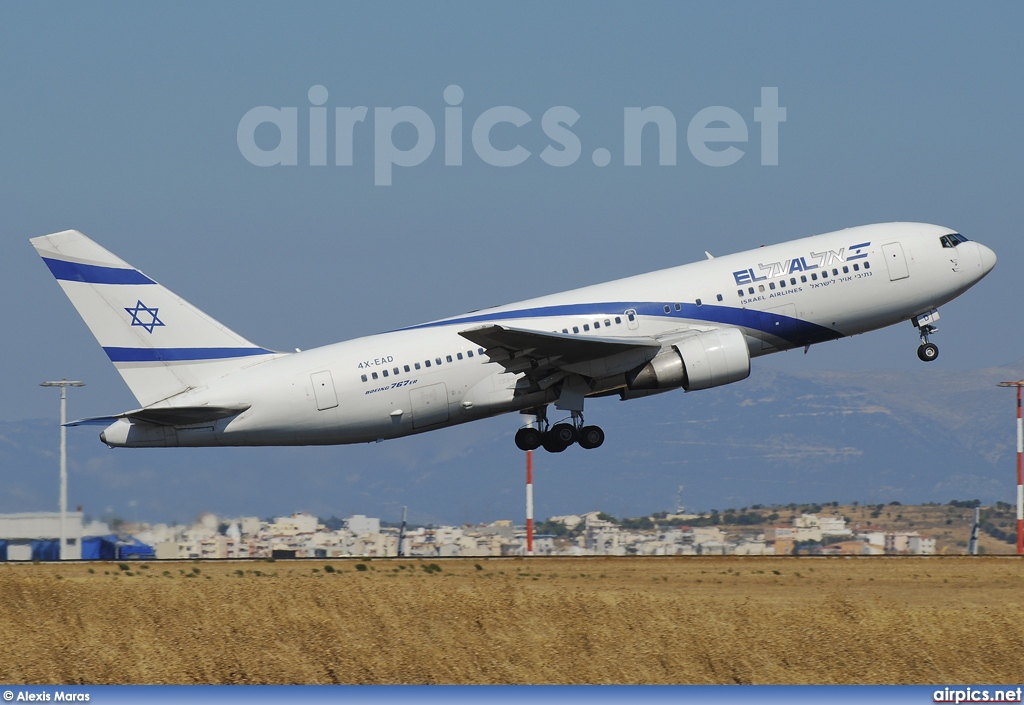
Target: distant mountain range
{"type": "Point", "coordinates": [867, 436]}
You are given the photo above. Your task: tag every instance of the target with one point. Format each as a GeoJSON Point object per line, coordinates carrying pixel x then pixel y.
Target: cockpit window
{"type": "Point", "coordinates": [952, 240]}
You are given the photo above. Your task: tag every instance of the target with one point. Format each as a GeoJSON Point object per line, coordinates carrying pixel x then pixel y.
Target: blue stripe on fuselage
{"type": "Point", "coordinates": [179, 354]}
{"type": "Point", "coordinates": [797, 331]}
{"type": "Point", "coordinates": [94, 274]}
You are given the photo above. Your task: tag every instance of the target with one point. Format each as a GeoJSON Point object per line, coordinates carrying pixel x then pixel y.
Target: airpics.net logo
{"type": "Point", "coordinates": [712, 134]}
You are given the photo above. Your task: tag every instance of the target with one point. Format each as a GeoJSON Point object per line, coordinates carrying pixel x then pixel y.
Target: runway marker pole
{"type": "Point", "coordinates": [1020, 467]}
{"type": "Point", "coordinates": [529, 502]}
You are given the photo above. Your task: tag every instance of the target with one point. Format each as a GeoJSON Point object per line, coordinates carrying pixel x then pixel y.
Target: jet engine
{"type": "Point", "coordinates": [701, 361]}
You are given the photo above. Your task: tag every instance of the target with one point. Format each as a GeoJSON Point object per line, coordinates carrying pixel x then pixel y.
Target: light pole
{"type": "Point", "coordinates": [63, 384]}
{"type": "Point", "coordinates": [1020, 468]}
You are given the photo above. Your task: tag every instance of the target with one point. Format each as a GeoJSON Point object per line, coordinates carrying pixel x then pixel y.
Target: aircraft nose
{"type": "Point", "coordinates": [988, 259]}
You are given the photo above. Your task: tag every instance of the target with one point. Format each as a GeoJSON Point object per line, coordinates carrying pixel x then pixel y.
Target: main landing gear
{"type": "Point", "coordinates": [560, 436]}
{"type": "Point", "coordinates": [928, 350]}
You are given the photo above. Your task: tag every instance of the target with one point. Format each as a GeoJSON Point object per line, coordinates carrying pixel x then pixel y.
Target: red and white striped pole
{"type": "Point", "coordinates": [1020, 467]}
{"type": "Point", "coordinates": [529, 502]}
{"type": "Point", "coordinates": [1020, 478]}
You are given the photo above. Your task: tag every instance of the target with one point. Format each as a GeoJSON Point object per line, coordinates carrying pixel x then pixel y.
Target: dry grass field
{"type": "Point", "coordinates": [564, 620]}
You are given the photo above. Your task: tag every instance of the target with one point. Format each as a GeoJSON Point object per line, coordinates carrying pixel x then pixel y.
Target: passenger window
{"type": "Point", "coordinates": [751, 290]}
{"type": "Point", "coordinates": [586, 326]}
{"type": "Point", "coordinates": [856, 267]}
{"type": "Point", "coordinates": [481, 350]}
{"type": "Point", "coordinates": [668, 309]}
{"type": "Point", "coordinates": [824, 274]}
{"type": "Point", "coordinates": [835, 272]}
{"type": "Point", "coordinates": [437, 360]}
{"type": "Point", "coordinates": [618, 319]}
{"type": "Point", "coordinates": [771, 285]}
{"type": "Point", "coordinates": [783, 283]}
{"type": "Point", "coordinates": [846, 270]}
{"type": "Point", "coordinates": [631, 317]}
{"type": "Point", "coordinates": [470, 353]}
{"type": "Point", "coordinates": [867, 265]}
{"type": "Point", "coordinates": [384, 372]}
{"type": "Point", "coordinates": [803, 278]}
{"type": "Point", "coordinates": [427, 363]}
{"type": "Point", "coordinates": [374, 375]}
{"type": "Point", "coordinates": [575, 329]}
{"type": "Point", "coordinates": [597, 324]}
{"type": "Point", "coordinates": [396, 371]}
{"type": "Point", "coordinates": [740, 292]}
{"type": "Point", "coordinates": [719, 297]}
{"type": "Point", "coordinates": [458, 355]}
{"type": "Point", "coordinates": [607, 323]}
{"type": "Point", "coordinates": [760, 287]}
{"type": "Point", "coordinates": [416, 365]}
{"type": "Point", "coordinates": [448, 358]}
{"type": "Point", "coordinates": [679, 307]}
{"type": "Point", "coordinates": [699, 302]}
{"type": "Point", "coordinates": [814, 277]}
{"type": "Point", "coordinates": [407, 369]}
{"type": "Point", "coordinates": [364, 378]}
{"type": "Point", "coordinates": [793, 281]}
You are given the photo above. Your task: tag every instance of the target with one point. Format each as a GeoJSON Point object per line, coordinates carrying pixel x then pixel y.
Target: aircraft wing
{"type": "Point", "coordinates": [539, 353]}
{"type": "Point", "coordinates": [168, 415]}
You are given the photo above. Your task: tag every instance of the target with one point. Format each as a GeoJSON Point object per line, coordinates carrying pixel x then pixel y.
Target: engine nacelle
{"type": "Point", "coordinates": [701, 361]}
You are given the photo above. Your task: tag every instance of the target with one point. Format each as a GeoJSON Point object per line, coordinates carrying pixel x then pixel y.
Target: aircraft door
{"type": "Point", "coordinates": [631, 319]}
{"type": "Point", "coordinates": [896, 261]}
{"type": "Point", "coordinates": [323, 390]}
{"type": "Point", "coordinates": [781, 322]}
{"type": "Point", "coordinates": [429, 405]}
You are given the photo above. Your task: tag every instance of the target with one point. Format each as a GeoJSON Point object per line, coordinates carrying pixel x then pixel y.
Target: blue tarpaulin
{"type": "Point", "coordinates": [99, 548]}
{"type": "Point", "coordinates": [46, 550]}
{"type": "Point", "coordinates": [112, 548]}
{"type": "Point", "coordinates": [130, 548]}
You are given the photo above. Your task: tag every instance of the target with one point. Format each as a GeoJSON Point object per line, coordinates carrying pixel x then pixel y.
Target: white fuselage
{"type": "Point", "coordinates": [425, 377]}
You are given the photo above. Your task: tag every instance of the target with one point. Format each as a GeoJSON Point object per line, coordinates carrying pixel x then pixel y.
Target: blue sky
{"type": "Point", "coordinates": [120, 120]}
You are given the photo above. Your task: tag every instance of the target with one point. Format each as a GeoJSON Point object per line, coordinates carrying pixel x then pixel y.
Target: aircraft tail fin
{"type": "Point", "coordinates": [161, 344]}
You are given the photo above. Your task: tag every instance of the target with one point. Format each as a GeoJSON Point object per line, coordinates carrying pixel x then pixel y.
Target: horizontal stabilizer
{"type": "Point", "coordinates": [168, 416]}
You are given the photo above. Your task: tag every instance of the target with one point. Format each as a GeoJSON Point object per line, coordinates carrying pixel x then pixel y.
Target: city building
{"type": "Point", "coordinates": [36, 536]}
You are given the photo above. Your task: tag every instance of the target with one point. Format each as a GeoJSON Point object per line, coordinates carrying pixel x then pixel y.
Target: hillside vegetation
{"type": "Point", "coordinates": [562, 620]}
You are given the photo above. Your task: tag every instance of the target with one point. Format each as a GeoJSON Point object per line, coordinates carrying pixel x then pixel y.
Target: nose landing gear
{"type": "Point", "coordinates": [928, 350]}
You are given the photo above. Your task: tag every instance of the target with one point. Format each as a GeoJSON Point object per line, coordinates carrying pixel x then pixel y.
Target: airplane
{"type": "Point", "coordinates": [690, 327]}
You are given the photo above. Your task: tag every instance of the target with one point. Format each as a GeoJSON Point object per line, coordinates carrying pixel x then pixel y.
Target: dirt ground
{"type": "Point", "coordinates": [733, 619]}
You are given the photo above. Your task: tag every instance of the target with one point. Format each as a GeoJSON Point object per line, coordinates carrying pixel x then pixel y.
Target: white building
{"type": "Point", "coordinates": [834, 525]}
{"type": "Point", "coordinates": [571, 521]}
{"type": "Point", "coordinates": [298, 523]}
{"type": "Point", "coordinates": [20, 530]}
{"type": "Point", "coordinates": [874, 537]}
{"type": "Point", "coordinates": [359, 524]}
{"type": "Point", "coordinates": [707, 534]}
{"type": "Point", "coordinates": [897, 542]}
{"type": "Point", "coordinates": [250, 526]}
{"type": "Point", "coordinates": [921, 546]}
{"type": "Point", "coordinates": [754, 547]}
{"type": "Point", "coordinates": [604, 539]}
